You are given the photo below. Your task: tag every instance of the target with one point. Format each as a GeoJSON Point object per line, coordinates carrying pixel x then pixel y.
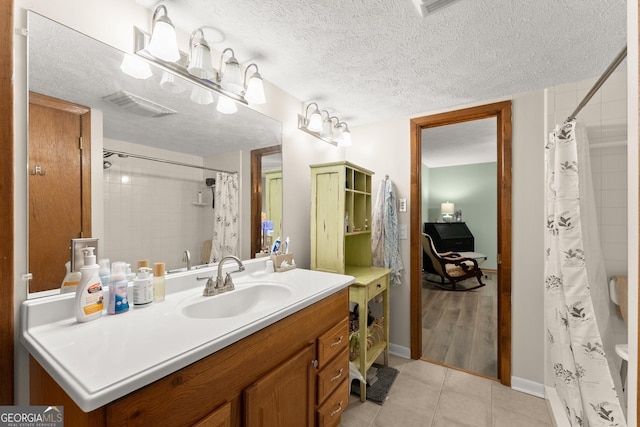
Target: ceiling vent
{"type": "Point", "coordinates": [429, 7]}
{"type": "Point", "coordinates": [137, 105]}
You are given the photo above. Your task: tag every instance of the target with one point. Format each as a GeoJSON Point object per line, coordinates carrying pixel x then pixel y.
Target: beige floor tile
{"type": "Point", "coordinates": [430, 375]}
{"type": "Point", "coordinates": [359, 414]}
{"type": "Point", "coordinates": [463, 409]}
{"type": "Point", "coordinates": [507, 418]}
{"type": "Point", "coordinates": [410, 391]}
{"type": "Point", "coordinates": [521, 403]}
{"type": "Point", "coordinates": [471, 385]}
{"type": "Point", "coordinates": [401, 414]}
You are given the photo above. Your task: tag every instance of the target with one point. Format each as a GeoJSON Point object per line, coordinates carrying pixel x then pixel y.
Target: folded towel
{"type": "Point", "coordinates": [622, 291]}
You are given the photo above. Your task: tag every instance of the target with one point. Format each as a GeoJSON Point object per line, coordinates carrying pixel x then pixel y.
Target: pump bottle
{"type": "Point", "coordinates": [118, 289]}
{"type": "Point", "coordinates": [88, 302]}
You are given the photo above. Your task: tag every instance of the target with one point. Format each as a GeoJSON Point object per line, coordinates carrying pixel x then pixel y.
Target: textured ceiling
{"type": "Point", "coordinates": [460, 144]}
{"type": "Point", "coordinates": [369, 60]}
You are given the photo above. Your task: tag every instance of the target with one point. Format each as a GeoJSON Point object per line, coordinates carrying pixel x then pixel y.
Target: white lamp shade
{"type": "Point", "coordinates": [337, 135]}
{"type": "Point", "coordinates": [327, 126]}
{"type": "Point", "coordinates": [315, 122]}
{"type": "Point", "coordinates": [255, 91]}
{"type": "Point", "coordinates": [226, 105]}
{"type": "Point", "coordinates": [345, 141]}
{"type": "Point", "coordinates": [202, 96]}
{"type": "Point", "coordinates": [135, 67]}
{"type": "Point", "coordinates": [232, 77]}
{"type": "Point", "coordinates": [170, 83]}
{"type": "Point", "coordinates": [200, 64]}
{"type": "Point", "coordinates": [163, 44]}
{"type": "Point", "coordinates": [447, 208]}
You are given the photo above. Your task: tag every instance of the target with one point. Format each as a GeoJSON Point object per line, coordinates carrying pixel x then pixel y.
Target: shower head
{"type": "Point", "coordinates": [210, 182]}
{"type": "Point", "coordinates": [106, 164]}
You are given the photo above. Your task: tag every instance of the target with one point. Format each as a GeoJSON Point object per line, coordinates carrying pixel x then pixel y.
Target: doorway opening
{"type": "Point", "coordinates": [501, 276]}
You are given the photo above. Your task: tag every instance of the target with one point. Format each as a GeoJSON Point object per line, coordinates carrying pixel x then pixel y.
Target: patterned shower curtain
{"type": "Point", "coordinates": [575, 348]}
{"type": "Point", "coordinates": [226, 218]}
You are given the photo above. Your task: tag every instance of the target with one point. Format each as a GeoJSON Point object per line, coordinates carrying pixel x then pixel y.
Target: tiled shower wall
{"type": "Point", "coordinates": [605, 117]}
{"type": "Point", "coordinates": [150, 208]}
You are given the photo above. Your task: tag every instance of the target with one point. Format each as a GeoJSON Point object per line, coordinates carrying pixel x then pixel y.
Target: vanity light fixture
{"type": "Point", "coordinates": [201, 95]}
{"type": "Point", "coordinates": [345, 135]}
{"type": "Point", "coordinates": [200, 57]}
{"type": "Point", "coordinates": [313, 121]}
{"type": "Point", "coordinates": [226, 105]}
{"type": "Point", "coordinates": [324, 126]}
{"type": "Point", "coordinates": [135, 67]}
{"type": "Point", "coordinates": [254, 90]}
{"type": "Point", "coordinates": [163, 44]}
{"type": "Point", "coordinates": [231, 78]}
{"type": "Point", "coordinates": [171, 83]}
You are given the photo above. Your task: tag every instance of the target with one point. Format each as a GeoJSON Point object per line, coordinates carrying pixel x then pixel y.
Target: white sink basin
{"type": "Point", "coordinates": [252, 298]}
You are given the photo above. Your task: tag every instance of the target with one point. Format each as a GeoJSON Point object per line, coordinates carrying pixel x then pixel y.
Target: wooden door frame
{"type": "Point", "coordinates": [6, 207]}
{"type": "Point", "coordinates": [502, 112]}
{"type": "Point", "coordinates": [256, 193]}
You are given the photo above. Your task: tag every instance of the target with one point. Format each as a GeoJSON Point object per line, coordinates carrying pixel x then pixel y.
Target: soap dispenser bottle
{"type": "Point", "coordinates": [142, 288]}
{"type": "Point", "coordinates": [88, 303]}
{"type": "Point", "coordinates": [118, 289]}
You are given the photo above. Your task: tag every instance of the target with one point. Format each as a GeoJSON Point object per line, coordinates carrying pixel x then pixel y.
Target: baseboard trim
{"type": "Point", "coordinates": [527, 386]}
{"type": "Point", "coordinates": [557, 409]}
{"type": "Point", "coordinates": [398, 350]}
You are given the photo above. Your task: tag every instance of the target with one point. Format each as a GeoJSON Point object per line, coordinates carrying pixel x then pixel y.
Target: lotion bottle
{"type": "Point", "coordinates": [158, 281]}
{"type": "Point", "coordinates": [88, 303]}
{"type": "Point", "coordinates": [118, 289]}
{"type": "Point", "coordinates": [71, 280]}
{"type": "Point", "coordinates": [142, 288]}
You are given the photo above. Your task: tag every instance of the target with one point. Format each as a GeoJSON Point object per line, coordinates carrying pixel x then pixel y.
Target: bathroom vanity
{"type": "Point", "coordinates": [280, 362]}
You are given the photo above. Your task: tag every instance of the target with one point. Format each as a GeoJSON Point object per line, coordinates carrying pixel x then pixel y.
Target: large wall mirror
{"type": "Point", "coordinates": [152, 154]}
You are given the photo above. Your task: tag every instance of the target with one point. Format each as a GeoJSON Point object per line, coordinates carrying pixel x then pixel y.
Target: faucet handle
{"type": "Point", "coordinates": [228, 283]}
{"type": "Point", "coordinates": [210, 288]}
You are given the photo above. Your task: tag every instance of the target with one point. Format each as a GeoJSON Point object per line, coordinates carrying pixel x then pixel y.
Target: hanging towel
{"type": "Point", "coordinates": [377, 229]}
{"type": "Point", "coordinates": [384, 232]}
{"type": "Point", "coordinates": [392, 257]}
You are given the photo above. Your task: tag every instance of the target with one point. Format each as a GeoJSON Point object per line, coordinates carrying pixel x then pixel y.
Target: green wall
{"type": "Point", "coordinates": [473, 189]}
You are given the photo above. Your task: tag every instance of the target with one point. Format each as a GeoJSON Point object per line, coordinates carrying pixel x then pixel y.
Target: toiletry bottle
{"type": "Point", "coordinates": [88, 303]}
{"type": "Point", "coordinates": [130, 274]}
{"type": "Point", "coordinates": [158, 281]}
{"type": "Point", "coordinates": [71, 279]}
{"type": "Point", "coordinates": [105, 277]}
{"type": "Point", "coordinates": [142, 288]}
{"type": "Point", "coordinates": [118, 289]}
{"type": "Point", "coordinates": [145, 263]}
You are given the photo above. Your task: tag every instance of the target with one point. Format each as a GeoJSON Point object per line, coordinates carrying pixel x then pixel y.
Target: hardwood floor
{"type": "Point", "coordinates": [460, 328]}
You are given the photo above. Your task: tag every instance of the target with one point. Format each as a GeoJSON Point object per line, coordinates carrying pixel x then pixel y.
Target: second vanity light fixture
{"type": "Point", "coordinates": [327, 128]}
{"type": "Point", "coordinates": [161, 48]}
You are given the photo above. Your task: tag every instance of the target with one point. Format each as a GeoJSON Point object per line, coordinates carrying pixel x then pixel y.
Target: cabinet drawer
{"type": "Point", "coordinates": [333, 342]}
{"type": "Point", "coordinates": [329, 413]}
{"type": "Point", "coordinates": [377, 286]}
{"type": "Point", "coordinates": [332, 375]}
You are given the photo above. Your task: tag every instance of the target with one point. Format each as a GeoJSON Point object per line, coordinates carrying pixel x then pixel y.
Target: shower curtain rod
{"type": "Point", "coordinates": [155, 159]}
{"type": "Point", "coordinates": [600, 82]}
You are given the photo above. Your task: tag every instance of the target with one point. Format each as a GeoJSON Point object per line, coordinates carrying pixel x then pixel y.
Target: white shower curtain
{"type": "Point", "coordinates": [226, 218]}
{"type": "Point", "coordinates": [576, 301]}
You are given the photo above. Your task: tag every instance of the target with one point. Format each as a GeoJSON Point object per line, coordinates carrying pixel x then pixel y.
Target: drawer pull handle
{"type": "Point", "coordinates": [337, 376]}
{"type": "Point", "coordinates": [338, 409]}
{"type": "Point", "coordinates": [379, 285]}
{"type": "Point", "coordinates": [337, 342]}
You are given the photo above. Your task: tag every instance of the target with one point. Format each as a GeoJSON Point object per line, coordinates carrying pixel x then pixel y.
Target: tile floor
{"type": "Point", "coordinates": [430, 395]}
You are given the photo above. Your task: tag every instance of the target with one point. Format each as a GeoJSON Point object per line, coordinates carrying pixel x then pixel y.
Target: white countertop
{"type": "Point", "coordinates": [102, 360]}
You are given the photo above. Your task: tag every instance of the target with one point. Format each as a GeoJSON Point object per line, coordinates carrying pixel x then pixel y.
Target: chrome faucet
{"type": "Point", "coordinates": [186, 257]}
{"type": "Point", "coordinates": [220, 285]}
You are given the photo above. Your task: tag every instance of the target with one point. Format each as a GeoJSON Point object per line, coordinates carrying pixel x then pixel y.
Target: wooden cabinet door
{"type": "Point", "coordinates": [221, 417]}
{"type": "Point", "coordinates": [59, 186]}
{"type": "Point", "coordinates": [327, 217]}
{"type": "Point", "coordinates": [284, 396]}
